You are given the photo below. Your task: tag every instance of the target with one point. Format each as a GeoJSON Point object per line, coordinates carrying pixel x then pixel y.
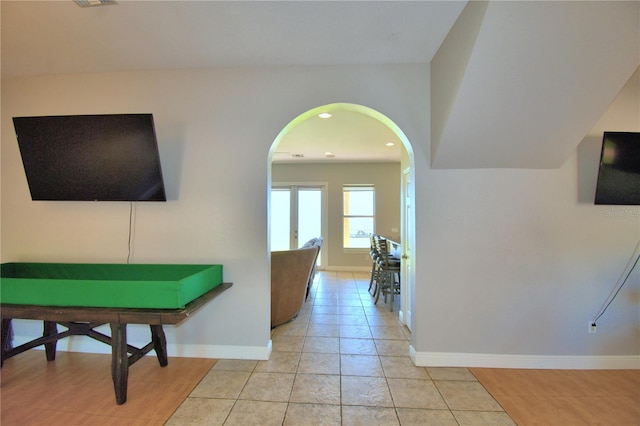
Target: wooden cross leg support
{"type": "Point", "coordinates": [120, 350]}
{"type": "Point", "coordinates": [84, 320]}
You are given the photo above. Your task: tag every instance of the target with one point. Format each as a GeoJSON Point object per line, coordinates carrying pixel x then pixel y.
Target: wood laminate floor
{"type": "Point", "coordinates": [565, 397]}
{"type": "Point", "coordinates": [76, 389]}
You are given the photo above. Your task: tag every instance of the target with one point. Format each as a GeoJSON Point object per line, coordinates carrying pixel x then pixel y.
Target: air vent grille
{"type": "Point", "coordinates": [90, 3]}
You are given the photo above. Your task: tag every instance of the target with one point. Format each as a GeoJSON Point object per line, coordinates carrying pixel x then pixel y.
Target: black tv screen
{"type": "Point", "coordinates": [110, 157]}
{"type": "Point", "coordinates": [619, 173]}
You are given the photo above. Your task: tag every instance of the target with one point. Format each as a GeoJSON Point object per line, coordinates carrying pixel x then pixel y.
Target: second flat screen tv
{"type": "Point", "coordinates": [110, 157]}
{"type": "Point", "coordinates": [619, 173]}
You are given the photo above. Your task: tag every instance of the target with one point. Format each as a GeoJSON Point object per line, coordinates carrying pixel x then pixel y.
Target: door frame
{"type": "Point", "coordinates": [407, 236]}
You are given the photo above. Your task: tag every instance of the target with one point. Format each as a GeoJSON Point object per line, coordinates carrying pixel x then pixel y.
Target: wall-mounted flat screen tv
{"type": "Point", "coordinates": [619, 173]}
{"type": "Point", "coordinates": [110, 157]}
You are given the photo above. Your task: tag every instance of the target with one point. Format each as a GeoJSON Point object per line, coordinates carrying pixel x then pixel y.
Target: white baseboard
{"type": "Point", "coordinates": [347, 268]}
{"type": "Point", "coordinates": [220, 352]}
{"type": "Point", "coordinates": [421, 359]}
{"type": "Point", "coordinates": [73, 344]}
{"type": "Point", "coordinates": [561, 362]}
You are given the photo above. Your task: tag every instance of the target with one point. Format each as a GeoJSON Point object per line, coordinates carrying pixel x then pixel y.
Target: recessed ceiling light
{"type": "Point", "coordinates": [324, 115]}
{"type": "Point", "coordinates": [329, 154]}
{"type": "Point", "coordinates": [390, 144]}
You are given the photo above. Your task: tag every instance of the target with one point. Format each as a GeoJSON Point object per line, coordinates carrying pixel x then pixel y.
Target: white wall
{"type": "Point", "coordinates": [215, 128]}
{"type": "Point", "coordinates": [518, 261]}
{"type": "Point", "coordinates": [510, 264]}
{"type": "Point", "coordinates": [518, 267]}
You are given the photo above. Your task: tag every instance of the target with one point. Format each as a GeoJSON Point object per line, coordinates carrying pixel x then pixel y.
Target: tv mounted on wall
{"type": "Point", "coordinates": [619, 174]}
{"type": "Point", "coordinates": [111, 157]}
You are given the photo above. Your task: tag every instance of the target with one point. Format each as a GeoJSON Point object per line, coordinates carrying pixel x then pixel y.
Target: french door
{"type": "Point", "coordinates": [297, 215]}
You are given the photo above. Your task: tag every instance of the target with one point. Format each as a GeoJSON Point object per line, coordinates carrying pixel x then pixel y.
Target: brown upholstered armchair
{"type": "Point", "coordinates": [314, 242]}
{"type": "Point", "coordinates": [290, 272]}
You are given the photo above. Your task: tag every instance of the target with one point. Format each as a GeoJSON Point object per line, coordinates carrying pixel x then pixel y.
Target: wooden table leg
{"type": "Point", "coordinates": [5, 339]}
{"type": "Point", "coordinates": [119, 361]}
{"type": "Point", "coordinates": [159, 344]}
{"type": "Point", "coordinates": [50, 329]}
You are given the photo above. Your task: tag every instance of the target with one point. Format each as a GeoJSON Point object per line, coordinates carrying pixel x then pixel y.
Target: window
{"type": "Point", "coordinates": [358, 215]}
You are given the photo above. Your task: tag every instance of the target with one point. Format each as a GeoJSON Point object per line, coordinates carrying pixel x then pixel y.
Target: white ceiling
{"type": "Point", "coordinates": [347, 136]}
{"type": "Point", "coordinates": [545, 70]}
{"type": "Point", "coordinates": [59, 37]}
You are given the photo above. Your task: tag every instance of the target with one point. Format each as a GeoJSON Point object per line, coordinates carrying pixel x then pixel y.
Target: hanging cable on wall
{"type": "Point", "coordinates": [626, 273]}
{"type": "Point", "coordinates": [132, 222]}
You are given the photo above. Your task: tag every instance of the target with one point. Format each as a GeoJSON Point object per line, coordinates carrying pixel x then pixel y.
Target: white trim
{"type": "Point", "coordinates": [420, 359]}
{"type": "Point", "coordinates": [220, 351]}
{"type": "Point", "coordinates": [405, 318]}
{"type": "Point", "coordinates": [72, 344]}
{"type": "Point", "coordinates": [348, 268]}
{"type": "Point", "coordinates": [562, 362]}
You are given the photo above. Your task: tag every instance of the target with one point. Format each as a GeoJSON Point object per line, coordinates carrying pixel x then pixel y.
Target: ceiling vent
{"type": "Point", "coordinates": [90, 3]}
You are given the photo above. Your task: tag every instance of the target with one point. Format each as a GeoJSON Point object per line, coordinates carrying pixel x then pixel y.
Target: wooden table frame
{"type": "Point", "coordinates": [83, 320]}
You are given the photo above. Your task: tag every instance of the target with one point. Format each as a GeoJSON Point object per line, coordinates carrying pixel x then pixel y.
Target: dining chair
{"type": "Point", "coordinates": [388, 272]}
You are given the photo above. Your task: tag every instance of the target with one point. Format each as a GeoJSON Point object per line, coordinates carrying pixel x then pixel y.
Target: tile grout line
{"type": "Point", "coordinates": [370, 323]}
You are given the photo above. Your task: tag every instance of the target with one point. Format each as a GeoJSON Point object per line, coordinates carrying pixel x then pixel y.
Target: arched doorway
{"type": "Point", "coordinates": [406, 187]}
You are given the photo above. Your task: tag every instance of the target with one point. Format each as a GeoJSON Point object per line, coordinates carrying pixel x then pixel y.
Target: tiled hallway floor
{"type": "Point", "coordinates": [342, 361]}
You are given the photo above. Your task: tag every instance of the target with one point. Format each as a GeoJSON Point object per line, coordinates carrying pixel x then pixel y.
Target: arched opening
{"type": "Point", "coordinates": [405, 189]}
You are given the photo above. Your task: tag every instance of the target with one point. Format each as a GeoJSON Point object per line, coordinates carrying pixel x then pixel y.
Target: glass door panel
{"type": "Point", "coordinates": [280, 219]}
{"type": "Point", "coordinates": [296, 215]}
{"type": "Point", "coordinates": [309, 214]}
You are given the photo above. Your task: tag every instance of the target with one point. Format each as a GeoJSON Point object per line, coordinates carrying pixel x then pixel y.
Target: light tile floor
{"type": "Point", "coordinates": [342, 361]}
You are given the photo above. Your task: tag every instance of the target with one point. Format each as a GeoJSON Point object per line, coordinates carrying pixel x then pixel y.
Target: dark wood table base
{"type": "Point", "coordinates": [83, 321]}
{"type": "Point", "coordinates": [120, 350]}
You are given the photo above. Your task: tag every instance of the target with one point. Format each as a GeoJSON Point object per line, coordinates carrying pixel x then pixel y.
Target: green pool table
{"type": "Point", "coordinates": [82, 297]}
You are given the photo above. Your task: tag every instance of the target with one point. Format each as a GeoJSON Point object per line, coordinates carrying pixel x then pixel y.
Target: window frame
{"type": "Point", "coordinates": [345, 216]}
